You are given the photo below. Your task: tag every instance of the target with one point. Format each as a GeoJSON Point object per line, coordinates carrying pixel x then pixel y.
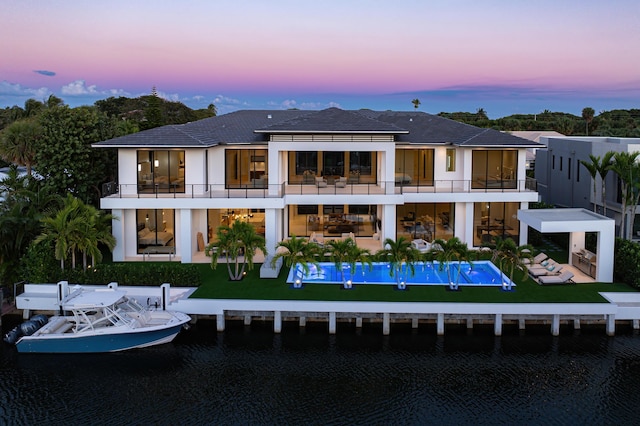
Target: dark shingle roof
{"type": "Point", "coordinates": [254, 126]}
{"type": "Point", "coordinates": [332, 120]}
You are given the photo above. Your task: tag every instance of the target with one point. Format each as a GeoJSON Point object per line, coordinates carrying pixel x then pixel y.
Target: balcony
{"type": "Point", "coordinates": [115, 190]}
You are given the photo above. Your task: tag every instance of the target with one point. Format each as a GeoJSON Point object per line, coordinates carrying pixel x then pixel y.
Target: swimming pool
{"type": "Point", "coordinates": [480, 273]}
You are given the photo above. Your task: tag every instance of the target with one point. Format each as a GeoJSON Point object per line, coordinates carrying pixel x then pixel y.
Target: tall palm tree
{"type": "Point", "coordinates": [587, 116]}
{"type": "Point", "coordinates": [592, 167]}
{"type": "Point", "coordinates": [416, 103]}
{"type": "Point", "coordinates": [18, 143]}
{"type": "Point", "coordinates": [96, 231]}
{"type": "Point", "coordinates": [603, 170]}
{"type": "Point", "coordinates": [449, 252]}
{"type": "Point", "coordinates": [510, 257]}
{"type": "Point", "coordinates": [599, 167]}
{"type": "Point", "coordinates": [402, 257]}
{"type": "Point", "coordinates": [624, 165]}
{"type": "Point", "coordinates": [239, 239]}
{"type": "Point", "coordinates": [346, 251]}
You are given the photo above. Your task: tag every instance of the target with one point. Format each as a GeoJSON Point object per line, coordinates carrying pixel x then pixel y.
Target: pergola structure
{"type": "Point", "coordinates": [577, 222]}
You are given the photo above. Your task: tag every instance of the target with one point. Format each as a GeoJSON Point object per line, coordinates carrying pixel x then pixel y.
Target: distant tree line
{"type": "Point", "coordinates": [615, 123]}
{"type": "Point", "coordinates": [51, 211]}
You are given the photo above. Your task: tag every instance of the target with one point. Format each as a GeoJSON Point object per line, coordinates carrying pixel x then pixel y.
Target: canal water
{"type": "Point", "coordinates": [250, 376]}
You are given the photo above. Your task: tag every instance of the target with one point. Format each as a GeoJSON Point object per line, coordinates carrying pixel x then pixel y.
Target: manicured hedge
{"type": "Point", "coordinates": [39, 266]}
{"type": "Point", "coordinates": [627, 262]}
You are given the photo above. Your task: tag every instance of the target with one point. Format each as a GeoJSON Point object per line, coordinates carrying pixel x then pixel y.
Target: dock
{"type": "Point", "coordinates": [618, 307]}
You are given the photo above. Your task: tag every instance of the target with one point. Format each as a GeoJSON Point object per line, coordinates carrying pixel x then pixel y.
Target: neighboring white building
{"type": "Point", "coordinates": [376, 174]}
{"type": "Point", "coordinates": [564, 182]}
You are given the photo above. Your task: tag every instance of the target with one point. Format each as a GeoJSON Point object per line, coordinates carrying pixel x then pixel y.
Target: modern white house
{"type": "Point", "coordinates": [564, 182]}
{"type": "Point", "coordinates": [321, 174]}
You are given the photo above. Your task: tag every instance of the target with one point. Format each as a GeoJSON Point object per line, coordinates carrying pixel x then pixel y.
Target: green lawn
{"type": "Point", "coordinates": [216, 285]}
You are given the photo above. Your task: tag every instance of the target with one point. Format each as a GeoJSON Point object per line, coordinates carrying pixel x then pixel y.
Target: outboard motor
{"type": "Point", "coordinates": [29, 327]}
{"type": "Point", "coordinates": [40, 319]}
{"type": "Point", "coordinates": [13, 336]}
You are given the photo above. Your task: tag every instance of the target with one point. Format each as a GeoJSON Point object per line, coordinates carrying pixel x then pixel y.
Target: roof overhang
{"type": "Point", "coordinates": [565, 220]}
{"type": "Point", "coordinates": [331, 132]}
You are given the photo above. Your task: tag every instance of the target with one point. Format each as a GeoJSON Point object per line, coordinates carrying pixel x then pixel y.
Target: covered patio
{"type": "Point", "coordinates": [577, 222]}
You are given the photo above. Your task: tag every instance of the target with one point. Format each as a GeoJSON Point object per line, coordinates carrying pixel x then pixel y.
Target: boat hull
{"type": "Point", "coordinates": [98, 342]}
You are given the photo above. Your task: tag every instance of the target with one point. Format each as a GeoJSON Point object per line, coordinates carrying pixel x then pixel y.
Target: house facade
{"type": "Point", "coordinates": [564, 182]}
{"type": "Point", "coordinates": [328, 173]}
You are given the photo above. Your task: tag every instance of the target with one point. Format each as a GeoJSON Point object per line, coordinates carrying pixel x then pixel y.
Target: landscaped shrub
{"type": "Point", "coordinates": [39, 266]}
{"type": "Point", "coordinates": [627, 262]}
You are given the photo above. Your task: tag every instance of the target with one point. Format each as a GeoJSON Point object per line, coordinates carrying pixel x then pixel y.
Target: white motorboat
{"type": "Point", "coordinates": [97, 320]}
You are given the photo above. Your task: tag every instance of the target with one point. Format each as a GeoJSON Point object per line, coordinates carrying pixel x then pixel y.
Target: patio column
{"type": "Point", "coordinates": [273, 233]}
{"type": "Point", "coordinates": [117, 230]}
{"type": "Point", "coordinates": [186, 247]}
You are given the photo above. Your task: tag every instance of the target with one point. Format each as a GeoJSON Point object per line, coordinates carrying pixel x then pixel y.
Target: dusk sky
{"type": "Point", "coordinates": [508, 56]}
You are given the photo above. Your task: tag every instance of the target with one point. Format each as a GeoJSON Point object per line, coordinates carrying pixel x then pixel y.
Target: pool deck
{"type": "Point", "coordinates": [619, 307]}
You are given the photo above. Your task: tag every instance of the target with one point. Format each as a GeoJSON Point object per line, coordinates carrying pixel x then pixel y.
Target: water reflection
{"type": "Point", "coordinates": [249, 375]}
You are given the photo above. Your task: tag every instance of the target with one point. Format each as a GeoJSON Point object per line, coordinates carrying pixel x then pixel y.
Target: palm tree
{"type": "Point", "coordinates": [239, 239]}
{"type": "Point", "coordinates": [401, 255]}
{"type": "Point", "coordinates": [481, 114]}
{"type": "Point", "coordinates": [510, 256]}
{"type": "Point", "coordinates": [592, 168]}
{"type": "Point", "coordinates": [587, 116]}
{"type": "Point", "coordinates": [625, 166]}
{"type": "Point", "coordinates": [60, 229]}
{"type": "Point", "coordinates": [18, 143]}
{"type": "Point", "coordinates": [416, 103]}
{"type": "Point", "coordinates": [297, 251]}
{"type": "Point", "coordinates": [603, 170]}
{"type": "Point", "coordinates": [96, 231]}
{"type": "Point", "coordinates": [448, 252]}
{"type": "Point", "coordinates": [346, 251]}
{"type": "Point", "coordinates": [599, 167]}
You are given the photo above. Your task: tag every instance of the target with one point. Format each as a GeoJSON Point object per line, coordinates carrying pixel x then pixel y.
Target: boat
{"type": "Point", "coordinates": [97, 320]}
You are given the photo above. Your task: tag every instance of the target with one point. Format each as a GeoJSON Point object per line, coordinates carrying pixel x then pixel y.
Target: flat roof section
{"type": "Point", "coordinates": [565, 220]}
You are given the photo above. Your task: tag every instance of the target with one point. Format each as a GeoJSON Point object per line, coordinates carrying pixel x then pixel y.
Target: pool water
{"type": "Point", "coordinates": [480, 273]}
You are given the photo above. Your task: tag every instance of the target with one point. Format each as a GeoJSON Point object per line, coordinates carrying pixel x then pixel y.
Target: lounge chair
{"type": "Point", "coordinates": [536, 261]}
{"type": "Point", "coordinates": [321, 182]}
{"type": "Point", "coordinates": [421, 245]}
{"type": "Point", "coordinates": [563, 278]}
{"type": "Point", "coordinates": [341, 182]}
{"type": "Point", "coordinates": [551, 268]}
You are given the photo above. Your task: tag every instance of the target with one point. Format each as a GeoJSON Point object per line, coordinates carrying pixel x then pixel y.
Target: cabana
{"type": "Point", "coordinates": [577, 222]}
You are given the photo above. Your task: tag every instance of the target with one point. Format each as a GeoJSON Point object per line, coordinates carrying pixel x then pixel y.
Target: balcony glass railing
{"type": "Point", "coordinates": [112, 189]}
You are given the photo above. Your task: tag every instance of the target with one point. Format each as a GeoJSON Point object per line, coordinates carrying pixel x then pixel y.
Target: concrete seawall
{"type": "Point", "coordinates": [619, 307]}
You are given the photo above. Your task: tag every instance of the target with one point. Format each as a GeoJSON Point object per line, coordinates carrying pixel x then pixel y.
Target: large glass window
{"type": "Point", "coordinates": [333, 163]}
{"type": "Point", "coordinates": [494, 169]}
{"type": "Point", "coordinates": [226, 217]}
{"type": "Point", "coordinates": [246, 168]}
{"type": "Point", "coordinates": [491, 220]}
{"type": "Point", "coordinates": [155, 228]}
{"type": "Point", "coordinates": [414, 167]}
{"type": "Point", "coordinates": [357, 166]}
{"type": "Point", "coordinates": [451, 159]}
{"type": "Point", "coordinates": [331, 221]}
{"type": "Point", "coordinates": [428, 221]}
{"type": "Point", "coordinates": [161, 171]}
